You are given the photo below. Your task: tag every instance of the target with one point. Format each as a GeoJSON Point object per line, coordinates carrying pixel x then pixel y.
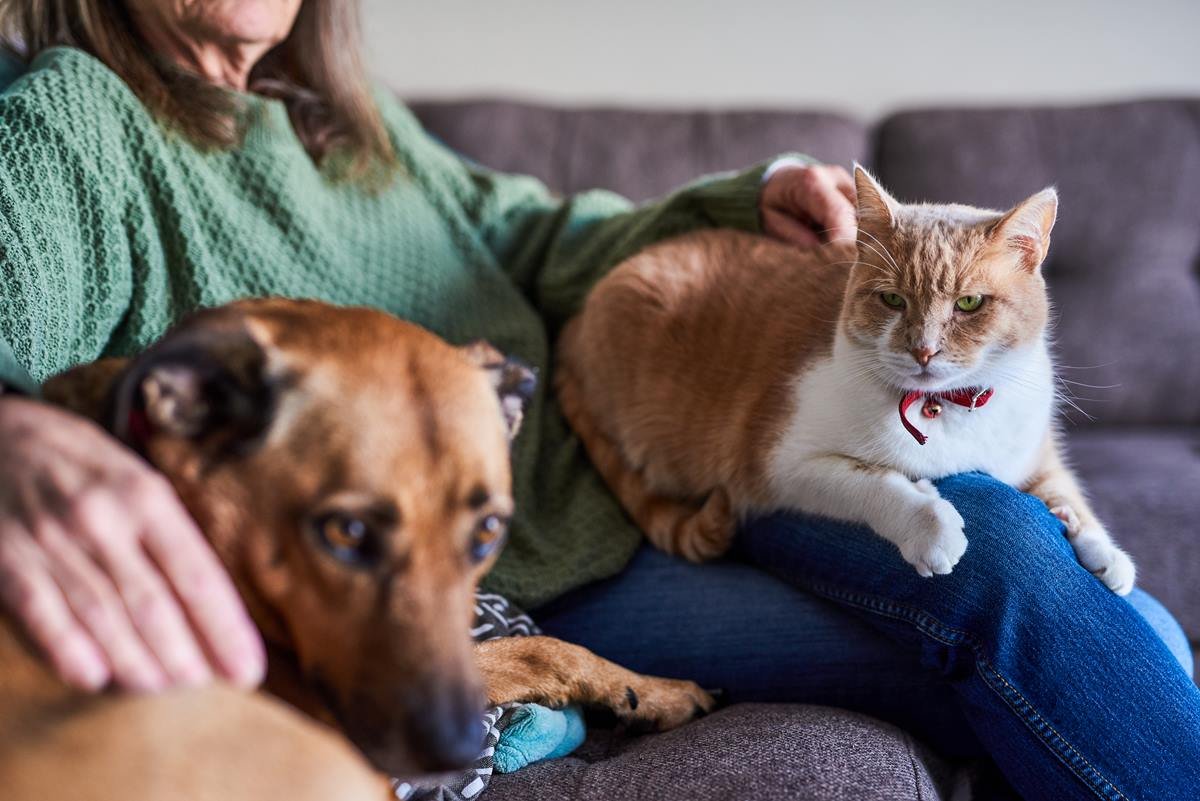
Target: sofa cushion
{"type": "Point", "coordinates": [1144, 485]}
{"type": "Point", "coordinates": [759, 751]}
{"type": "Point", "coordinates": [1124, 264]}
{"type": "Point", "coordinates": [640, 154]}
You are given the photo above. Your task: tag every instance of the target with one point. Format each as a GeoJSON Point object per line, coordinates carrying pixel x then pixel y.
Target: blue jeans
{"type": "Point", "coordinates": [1019, 653]}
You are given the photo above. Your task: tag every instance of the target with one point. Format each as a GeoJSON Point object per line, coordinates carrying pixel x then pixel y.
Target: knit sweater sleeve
{"type": "Point", "coordinates": [556, 248]}
{"type": "Point", "coordinates": [65, 277]}
{"type": "Point", "coordinates": [13, 375]}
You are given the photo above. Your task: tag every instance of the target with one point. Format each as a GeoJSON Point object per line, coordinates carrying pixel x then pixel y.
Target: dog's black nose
{"type": "Point", "coordinates": [430, 725]}
{"type": "Point", "coordinates": [446, 728]}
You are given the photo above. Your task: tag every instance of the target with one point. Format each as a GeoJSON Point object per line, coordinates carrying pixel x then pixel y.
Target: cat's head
{"type": "Point", "coordinates": [940, 293]}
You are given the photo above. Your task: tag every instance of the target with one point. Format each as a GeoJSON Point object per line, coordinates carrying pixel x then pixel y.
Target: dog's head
{"type": "Point", "coordinates": [352, 471]}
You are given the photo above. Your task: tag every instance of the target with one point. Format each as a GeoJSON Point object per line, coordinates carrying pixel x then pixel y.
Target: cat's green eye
{"type": "Point", "coordinates": [969, 303]}
{"type": "Point", "coordinates": [893, 300]}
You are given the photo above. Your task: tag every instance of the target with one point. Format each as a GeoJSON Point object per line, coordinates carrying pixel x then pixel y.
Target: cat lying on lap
{"type": "Point", "coordinates": [720, 374]}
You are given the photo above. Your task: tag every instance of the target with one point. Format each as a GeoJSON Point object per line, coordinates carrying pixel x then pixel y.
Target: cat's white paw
{"type": "Point", "coordinates": [1069, 519]}
{"type": "Point", "coordinates": [1096, 552]}
{"type": "Point", "coordinates": [926, 487]}
{"type": "Point", "coordinates": [932, 539]}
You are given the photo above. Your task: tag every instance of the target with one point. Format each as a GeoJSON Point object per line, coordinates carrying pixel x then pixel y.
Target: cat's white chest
{"type": "Point", "coordinates": [838, 411]}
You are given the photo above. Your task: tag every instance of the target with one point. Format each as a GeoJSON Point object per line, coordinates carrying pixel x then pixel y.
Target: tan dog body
{"type": "Point", "coordinates": [352, 472]}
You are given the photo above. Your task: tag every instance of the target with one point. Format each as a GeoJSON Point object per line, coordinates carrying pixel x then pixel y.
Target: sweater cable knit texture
{"type": "Point", "coordinates": [112, 229]}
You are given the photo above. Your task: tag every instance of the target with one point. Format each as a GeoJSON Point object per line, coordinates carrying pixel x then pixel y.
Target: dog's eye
{"type": "Point", "coordinates": [348, 538]}
{"type": "Point", "coordinates": [488, 536]}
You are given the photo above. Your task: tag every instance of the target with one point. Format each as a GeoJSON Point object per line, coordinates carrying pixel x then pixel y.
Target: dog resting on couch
{"type": "Point", "coordinates": [352, 472]}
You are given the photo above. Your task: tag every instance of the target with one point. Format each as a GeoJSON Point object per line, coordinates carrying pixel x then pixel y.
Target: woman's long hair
{"type": "Point", "coordinates": [316, 72]}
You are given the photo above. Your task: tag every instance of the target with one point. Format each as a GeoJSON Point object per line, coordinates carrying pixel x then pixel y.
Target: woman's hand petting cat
{"type": "Point", "coordinates": [103, 566]}
{"type": "Point", "coordinates": [808, 204]}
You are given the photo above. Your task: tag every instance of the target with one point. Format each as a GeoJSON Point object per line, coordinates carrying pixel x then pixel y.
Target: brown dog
{"type": "Point", "coordinates": [352, 472]}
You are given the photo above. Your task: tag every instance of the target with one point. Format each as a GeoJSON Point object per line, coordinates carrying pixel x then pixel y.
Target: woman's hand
{"type": "Point", "coordinates": [104, 567]}
{"type": "Point", "coordinates": [807, 204]}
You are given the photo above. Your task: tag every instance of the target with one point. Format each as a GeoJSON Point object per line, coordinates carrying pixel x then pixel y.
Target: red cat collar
{"type": "Point", "coordinates": [971, 398]}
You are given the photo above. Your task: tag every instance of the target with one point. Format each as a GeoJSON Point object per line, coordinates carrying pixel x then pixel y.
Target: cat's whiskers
{"type": "Point", "coordinates": [890, 264]}
{"type": "Point", "coordinates": [893, 268]}
{"type": "Point", "coordinates": [866, 368]}
{"type": "Point", "coordinates": [1066, 384]}
{"type": "Point", "coordinates": [1073, 405]}
{"type": "Point", "coordinates": [1083, 366]}
{"type": "Point", "coordinates": [1088, 386]}
{"type": "Point", "coordinates": [1063, 395]}
{"type": "Point", "coordinates": [1023, 378]}
{"type": "Point", "coordinates": [852, 264]}
{"type": "Point", "coordinates": [887, 254]}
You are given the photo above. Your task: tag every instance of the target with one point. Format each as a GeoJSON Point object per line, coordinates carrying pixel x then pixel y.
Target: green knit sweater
{"type": "Point", "coordinates": [112, 229]}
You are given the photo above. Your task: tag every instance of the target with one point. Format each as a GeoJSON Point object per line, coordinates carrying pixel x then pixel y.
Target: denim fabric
{"type": "Point", "coordinates": [1019, 653]}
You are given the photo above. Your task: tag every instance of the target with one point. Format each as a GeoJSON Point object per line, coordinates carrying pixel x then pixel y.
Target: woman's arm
{"type": "Point", "coordinates": [556, 248]}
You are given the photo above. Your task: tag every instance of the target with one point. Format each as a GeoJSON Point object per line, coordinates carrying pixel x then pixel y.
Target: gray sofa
{"type": "Point", "coordinates": [1125, 264]}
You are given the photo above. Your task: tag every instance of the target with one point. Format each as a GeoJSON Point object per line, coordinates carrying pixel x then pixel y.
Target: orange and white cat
{"type": "Point", "coordinates": [721, 374]}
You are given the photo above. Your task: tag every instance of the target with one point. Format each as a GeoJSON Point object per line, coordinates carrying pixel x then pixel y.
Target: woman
{"type": "Point", "coordinates": [161, 155]}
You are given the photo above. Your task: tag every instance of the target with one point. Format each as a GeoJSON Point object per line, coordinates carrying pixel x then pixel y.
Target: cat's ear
{"type": "Point", "coordinates": [876, 208]}
{"type": "Point", "coordinates": [1026, 229]}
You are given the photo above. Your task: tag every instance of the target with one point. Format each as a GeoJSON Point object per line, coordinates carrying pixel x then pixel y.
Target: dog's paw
{"type": "Point", "coordinates": [654, 704]}
{"type": "Point", "coordinates": [1097, 553]}
{"type": "Point", "coordinates": [931, 538]}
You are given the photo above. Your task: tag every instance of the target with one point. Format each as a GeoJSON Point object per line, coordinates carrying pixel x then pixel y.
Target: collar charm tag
{"type": "Point", "coordinates": [970, 399]}
{"type": "Point", "coordinates": [979, 398]}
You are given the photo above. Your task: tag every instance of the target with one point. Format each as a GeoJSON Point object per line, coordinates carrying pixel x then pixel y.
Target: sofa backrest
{"type": "Point", "coordinates": [1124, 264]}
{"type": "Point", "coordinates": [640, 154]}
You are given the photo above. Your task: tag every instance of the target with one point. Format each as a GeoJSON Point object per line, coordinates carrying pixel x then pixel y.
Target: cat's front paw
{"type": "Point", "coordinates": [1095, 550]}
{"type": "Point", "coordinates": [1066, 514]}
{"type": "Point", "coordinates": [1097, 553]}
{"type": "Point", "coordinates": [926, 487]}
{"type": "Point", "coordinates": [932, 538]}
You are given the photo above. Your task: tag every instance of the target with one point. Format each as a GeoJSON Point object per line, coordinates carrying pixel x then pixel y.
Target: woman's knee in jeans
{"type": "Point", "coordinates": [1165, 626]}
{"type": "Point", "coordinates": [1013, 542]}
{"type": "Point", "coordinates": [1017, 552]}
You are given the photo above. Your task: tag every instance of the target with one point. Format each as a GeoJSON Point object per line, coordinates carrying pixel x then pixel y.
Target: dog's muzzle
{"type": "Point", "coordinates": [432, 726]}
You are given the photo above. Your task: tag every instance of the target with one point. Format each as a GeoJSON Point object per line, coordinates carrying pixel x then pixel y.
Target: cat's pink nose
{"type": "Point", "coordinates": [923, 355]}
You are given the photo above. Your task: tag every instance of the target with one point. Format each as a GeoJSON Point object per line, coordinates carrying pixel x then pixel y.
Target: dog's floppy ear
{"type": "Point", "coordinates": [86, 388]}
{"type": "Point", "coordinates": [514, 381]}
{"type": "Point", "coordinates": [206, 381]}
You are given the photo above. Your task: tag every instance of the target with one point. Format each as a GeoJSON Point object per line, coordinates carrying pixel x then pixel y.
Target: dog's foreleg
{"type": "Point", "coordinates": [554, 673]}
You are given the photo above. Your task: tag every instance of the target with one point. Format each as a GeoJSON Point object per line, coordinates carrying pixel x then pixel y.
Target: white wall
{"type": "Point", "coordinates": [864, 56]}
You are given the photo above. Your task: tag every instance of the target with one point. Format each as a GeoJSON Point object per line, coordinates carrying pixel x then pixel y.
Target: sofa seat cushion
{"type": "Point", "coordinates": [1145, 484]}
{"type": "Point", "coordinates": [759, 751]}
